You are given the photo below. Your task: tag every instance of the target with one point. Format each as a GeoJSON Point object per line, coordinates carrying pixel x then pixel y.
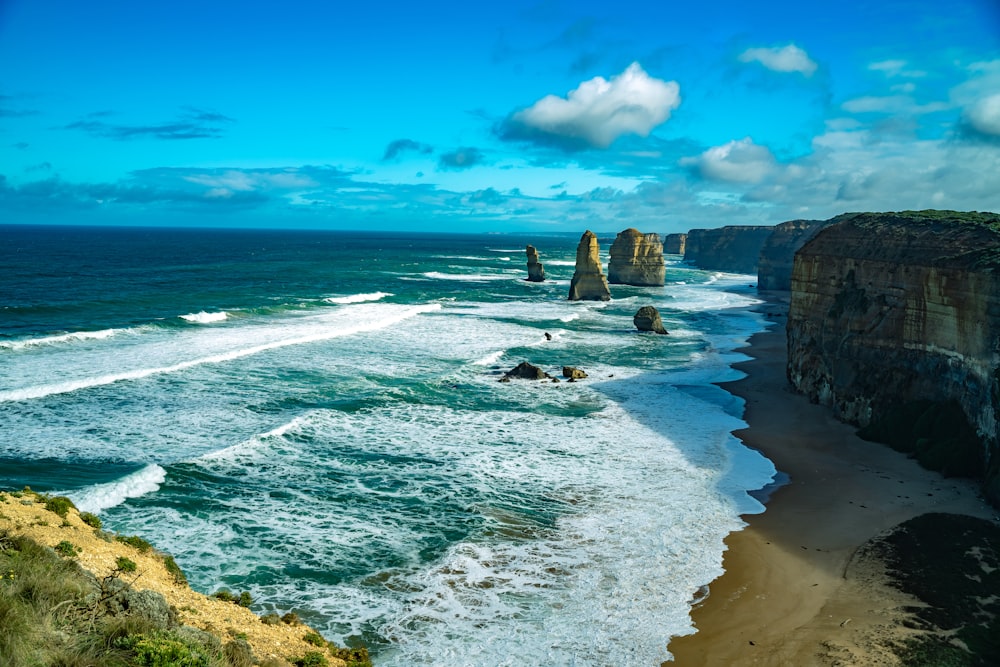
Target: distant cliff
{"type": "Point", "coordinates": [774, 267]}
{"type": "Point", "coordinates": [734, 249]}
{"type": "Point", "coordinates": [673, 244]}
{"type": "Point", "coordinates": [894, 322]}
{"type": "Point", "coordinates": [636, 259]}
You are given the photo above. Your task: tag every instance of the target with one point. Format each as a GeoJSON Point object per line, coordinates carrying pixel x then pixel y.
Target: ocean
{"type": "Point", "coordinates": [315, 417]}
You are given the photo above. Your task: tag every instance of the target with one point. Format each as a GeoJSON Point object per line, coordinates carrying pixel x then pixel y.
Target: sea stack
{"type": "Point", "coordinates": [536, 272]}
{"type": "Point", "coordinates": [673, 244]}
{"type": "Point", "coordinates": [588, 283]}
{"type": "Point", "coordinates": [648, 319]}
{"type": "Point", "coordinates": [636, 259]}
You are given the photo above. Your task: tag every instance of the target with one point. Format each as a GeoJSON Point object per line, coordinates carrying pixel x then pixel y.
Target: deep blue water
{"type": "Point", "coordinates": [315, 417]}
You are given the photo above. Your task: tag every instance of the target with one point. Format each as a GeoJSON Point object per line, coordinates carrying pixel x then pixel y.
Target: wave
{"type": "Point", "coordinates": [490, 359]}
{"type": "Point", "coordinates": [473, 258]}
{"type": "Point", "coordinates": [103, 496]}
{"type": "Point", "coordinates": [358, 298]}
{"type": "Point", "coordinates": [205, 318]}
{"type": "Point", "coordinates": [467, 277]}
{"type": "Point", "coordinates": [86, 383]}
{"type": "Point", "coordinates": [61, 338]}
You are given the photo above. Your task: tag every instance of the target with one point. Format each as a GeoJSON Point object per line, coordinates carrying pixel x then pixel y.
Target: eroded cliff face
{"type": "Point", "coordinates": [774, 267]}
{"type": "Point", "coordinates": [589, 283]}
{"type": "Point", "coordinates": [673, 244]}
{"type": "Point", "coordinates": [890, 308]}
{"type": "Point", "coordinates": [636, 259]}
{"type": "Point", "coordinates": [734, 249]}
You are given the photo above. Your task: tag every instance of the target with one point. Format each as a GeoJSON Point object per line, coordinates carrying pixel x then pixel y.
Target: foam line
{"type": "Point", "coordinates": [61, 338]}
{"type": "Point", "coordinates": [75, 385]}
{"type": "Point", "coordinates": [358, 298]}
{"type": "Point", "coordinates": [205, 318]}
{"type": "Point", "coordinates": [103, 496]}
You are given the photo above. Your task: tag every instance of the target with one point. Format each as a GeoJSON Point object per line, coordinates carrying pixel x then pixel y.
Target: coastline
{"type": "Point", "coordinates": [787, 596]}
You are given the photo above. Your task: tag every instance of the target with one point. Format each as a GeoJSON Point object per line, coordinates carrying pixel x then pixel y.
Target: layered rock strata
{"type": "Point", "coordinates": [673, 244]}
{"type": "Point", "coordinates": [636, 259]}
{"type": "Point", "coordinates": [589, 283]}
{"type": "Point", "coordinates": [774, 266]}
{"type": "Point", "coordinates": [734, 249]}
{"type": "Point", "coordinates": [894, 310]}
{"type": "Point", "coordinates": [536, 272]}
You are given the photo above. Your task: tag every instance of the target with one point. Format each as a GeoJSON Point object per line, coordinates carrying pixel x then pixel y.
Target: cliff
{"type": "Point", "coordinates": [774, 266]}
{"type": "Point", "coordinates": [588, 282]}
{"type": "Point", "coordinates": [673, 244]}
{"type": "Point", "coordinates": [894, 322]}
{"type": "Point", "coordinates": [536, 272]}
{"type": "Point", "coordinates": [636, 259]}
{"type": "Point", "coordinates": [734, 249]}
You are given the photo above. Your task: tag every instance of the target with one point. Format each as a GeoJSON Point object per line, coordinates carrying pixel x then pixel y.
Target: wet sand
{"type": "Point", "coordinates": [790, 594]}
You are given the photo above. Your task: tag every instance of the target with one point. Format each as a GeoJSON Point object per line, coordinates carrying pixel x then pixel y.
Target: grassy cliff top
{"type": "Point", "coordinates": [73, 594]}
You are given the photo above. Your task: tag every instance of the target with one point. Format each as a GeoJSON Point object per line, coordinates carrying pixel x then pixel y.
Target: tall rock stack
{"type": "Point", "coordinates": [673, 244]}
{"type": "Point", "coordinates": [636, 259]}
{"type": "Point", "coordinates": [588, 282]}
{"type": "Point", "coordinates": [536, 272]}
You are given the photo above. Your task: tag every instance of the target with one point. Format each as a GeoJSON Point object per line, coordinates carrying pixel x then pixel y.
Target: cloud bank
{"type": "Point", "coordinates": [597, 112]}
{"type": "Point", "coordinates": [192, 124]}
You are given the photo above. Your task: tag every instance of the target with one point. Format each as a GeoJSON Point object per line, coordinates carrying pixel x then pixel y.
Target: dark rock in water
{"type": "Point", "coordinates": [648, 319]}
{"type": "Point", "coordinates": [525, 371]}
{"type": "Point", "coordinates": [548, 336]}
{"type": "Point", "coordinates": [636, 259]}
{"type": "Point", "coordinates": [588, 283]}
{"type": "Point", "coordinates": [573, 373]}
{"type": "Point", "coordinates": [536, 272]}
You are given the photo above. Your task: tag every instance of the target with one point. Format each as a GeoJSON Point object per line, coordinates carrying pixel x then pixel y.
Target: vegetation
{"type": "Point", "coordinates": [135, 541]}
{"type": "Point", "coordinates": [175, 570]}
{"type": "Point", "coordinates": [91, 520]}
{"type": "Point", "coordinates": [67, 549]}
{"type": "Point", "coordinates": [59, 504]}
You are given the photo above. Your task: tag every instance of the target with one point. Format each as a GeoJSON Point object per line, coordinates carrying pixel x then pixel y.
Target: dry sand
{"type": "Point", "coordinates": [790, 594]}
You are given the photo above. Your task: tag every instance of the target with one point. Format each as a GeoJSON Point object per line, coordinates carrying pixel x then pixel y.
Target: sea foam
{"type": "Point", "coordinates": [110, 494]}
{"type": "Point", "coordinates": [205, 318]}
{"type": "Point", "coordinates": [357, 298]}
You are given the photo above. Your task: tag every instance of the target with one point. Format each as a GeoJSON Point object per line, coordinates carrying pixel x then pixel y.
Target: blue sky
{"type": "Point", "coordinates": [458, 116]}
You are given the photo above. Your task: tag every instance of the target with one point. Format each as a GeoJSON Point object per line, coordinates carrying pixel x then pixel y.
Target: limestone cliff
{"type": "Point", "coordinates": [774, 267]}
{"type": "Point", "coordinates": [636, 259]}
{"type": "Point", "coordinates": [673, 244]}
{"type": "Point", "coordinates": [894, 310]}
{"type": "Point", "coordinates": [536, 272]}
{"type": "Point", "coordinates": [589, 283]}
{"type": "Point", "coordinates": [734, 249]}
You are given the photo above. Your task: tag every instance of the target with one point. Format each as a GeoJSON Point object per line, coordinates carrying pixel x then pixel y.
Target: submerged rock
{"type": "Point", "coordinates": [589, 283]}
{"type": "Point", "coordinates": [648, 319]}
{"type": "Point", "coordinates": [636, 259]}
{"type": "Point", "coordinates": [536, 272]}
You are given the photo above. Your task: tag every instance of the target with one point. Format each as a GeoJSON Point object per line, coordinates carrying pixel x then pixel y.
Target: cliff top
{"type": "Point", "coordinates": [957, 239]}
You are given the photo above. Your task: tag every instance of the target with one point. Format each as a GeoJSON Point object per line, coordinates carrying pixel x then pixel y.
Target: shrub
{"type": "Point", "coordinates": [175, 570]}
{"type": "Point", "coordinates": [314, 638]}
{"type": "Point", "coordinates": [270, 619]}
{"type": "Point", "coordinates": [135, 541]}
{"type": "Point", "coordinates": [311, 659]}
{"type": "Point", "coordinates": [165, 650]}
{"type": "Point", "coordinates": [126, 565]}
{"type": "Point", "coordinates": [245, 600]}
{"type": "Point", "coordinates": [291, 618]}
{"type": "Point", "coordinates": [66, 548]}
{"type": "Point", "coordinates": [91, 520]}
{"type": "Point", "coordinates": [59, 504]}
{"type": "Point", "coordinates": [224, 595]}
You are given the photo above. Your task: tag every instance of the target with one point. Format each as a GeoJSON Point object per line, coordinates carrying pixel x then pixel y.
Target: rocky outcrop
{"type": "Point", "coordinates": [536, 272]}
{"type": "Point", "coordinates": [573, 373]}
{"type": "Point", "coordinates": [896, 316]}
{"type": "Point", "coordinates": [648, 319]}
{"type": "Point", "coordinates": [673, 244]}
{"type": "Point", "coordinates": [589, 283]}
{"type": "Point", "coordinates": [734, 249]}
{"type": "Point", "coordinates": [525, 371]}
{"type": "Point", "coordinates": [774, 266]}
{"type": "Point", "coordinates": [636, 259]}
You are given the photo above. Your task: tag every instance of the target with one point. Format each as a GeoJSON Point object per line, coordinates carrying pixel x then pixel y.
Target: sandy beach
{"type": "Point", "coordinates": [791, 593]}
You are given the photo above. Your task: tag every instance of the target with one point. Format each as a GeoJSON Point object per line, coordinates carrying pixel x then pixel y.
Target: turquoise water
{"type": "Point", "coordinates": [315, 418]}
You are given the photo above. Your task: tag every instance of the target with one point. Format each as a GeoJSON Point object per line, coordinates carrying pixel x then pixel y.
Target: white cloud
{"type": "Point", "coordinates": [895, 104]}
{"type": "Point", "coordinates": [740, 161]}
{"type": "Point", "coordinates": [984, 115]}
{"type": "Point", "coordinates": [891, 68]}
{"type": "Point", "coordinates": [598, 111]}
{"type": "Point", "coordinates": [785, 59]}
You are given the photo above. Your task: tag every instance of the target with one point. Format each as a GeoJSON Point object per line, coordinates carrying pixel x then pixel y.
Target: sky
{"type": "Point", "coordinates": [541, 115]}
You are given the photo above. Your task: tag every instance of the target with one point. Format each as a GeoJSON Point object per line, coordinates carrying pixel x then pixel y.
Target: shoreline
{"type": "Point", "coordinates": [786, 596]}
